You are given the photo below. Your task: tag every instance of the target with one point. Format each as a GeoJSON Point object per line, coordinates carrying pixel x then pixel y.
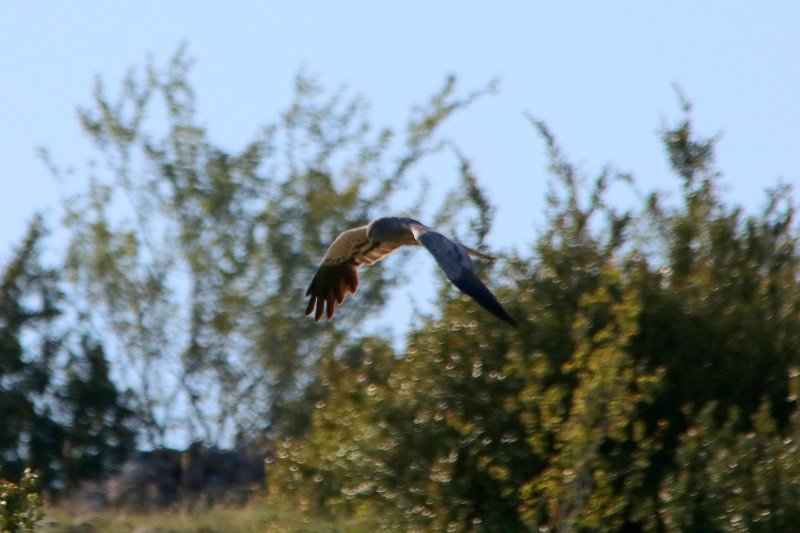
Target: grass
{"type": "Point", "coordinates": [258, 516]}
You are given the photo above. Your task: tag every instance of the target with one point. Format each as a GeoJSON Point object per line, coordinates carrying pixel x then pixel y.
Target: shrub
{"type": "Point", "coordinates": [20, 503]}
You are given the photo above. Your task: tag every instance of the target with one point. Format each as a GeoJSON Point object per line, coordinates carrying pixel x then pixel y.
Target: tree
{"type": "Point", "coordinates": [651, 386]}
{"type": "Point", "coordinates": [199, 283]}
{"type": "Point", "coordinates": [27, 303]}
{"type": "Point", "coordinates": [59, 411]}
{"type": "Point", "coordinates": [733, 480]}
{"type": "Point", "coordinates": [602, 450]}
{"type": "Point", "coordinates": [100, 425]}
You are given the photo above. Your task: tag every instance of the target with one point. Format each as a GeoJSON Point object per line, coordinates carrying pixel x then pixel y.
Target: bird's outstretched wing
{"type": "Point", "coordinates": [457, 266]}
{"type": "Point", "coordinates": [337, 275]}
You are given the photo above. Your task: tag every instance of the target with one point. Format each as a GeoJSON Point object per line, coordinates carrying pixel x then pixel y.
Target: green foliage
{"type": "Point", "coordinates": [99, 424]}
{"type": "Point", "coordinates": [59, 410]}
{"type": "Point", "coordinates": [20, 504]}
{"type": "Point", "coordinates": [651, 386]}
{"type": "Point", "coordinates": [27, 303]}
{"type": "Point", "coordinates": [731, 480]}
{"type": "Point", "coordinates": [601, 448]}
{"type": "Point", "coordinates": [200, 280]}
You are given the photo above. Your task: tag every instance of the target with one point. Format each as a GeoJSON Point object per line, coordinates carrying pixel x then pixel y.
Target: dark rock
{"type": "Point", "coordinates": [164, 477]}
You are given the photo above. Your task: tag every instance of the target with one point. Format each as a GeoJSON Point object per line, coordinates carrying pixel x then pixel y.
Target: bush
{"type": "Point", "coordinates": [643, 333]}
{"type": "Point", "coordinates": [20, 503]}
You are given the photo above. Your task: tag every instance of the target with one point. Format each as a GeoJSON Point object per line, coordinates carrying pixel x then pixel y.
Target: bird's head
{"type": "Point", "coordinates": [391, 229]}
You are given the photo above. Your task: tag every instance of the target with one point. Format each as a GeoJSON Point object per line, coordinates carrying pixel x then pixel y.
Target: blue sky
{"type": "Point", "coordinates": [600, 73]}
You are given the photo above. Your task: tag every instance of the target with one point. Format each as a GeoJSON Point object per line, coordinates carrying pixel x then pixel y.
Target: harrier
{"type": "Point", "coordinates": [337, 275]}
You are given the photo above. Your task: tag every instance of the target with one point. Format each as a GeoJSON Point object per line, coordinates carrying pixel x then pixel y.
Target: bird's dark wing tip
{"type": "Point", "coordinates": [454, 261]}
{"type": "Point", "coordinates": [329, 287]}
{"type": "Point", "coordinates": [471, 285]}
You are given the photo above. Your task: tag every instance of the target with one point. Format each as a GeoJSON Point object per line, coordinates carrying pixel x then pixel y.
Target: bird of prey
{"type": "Point", "coordinates": [337, 275]}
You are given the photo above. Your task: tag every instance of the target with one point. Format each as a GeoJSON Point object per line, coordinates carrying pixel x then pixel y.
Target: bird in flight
{"type": "Point", "coordinates": [337, 275]}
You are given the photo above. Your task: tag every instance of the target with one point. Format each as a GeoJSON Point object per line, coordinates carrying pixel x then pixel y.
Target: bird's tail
{"type": "Point", "coordinates": [476, 253]}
